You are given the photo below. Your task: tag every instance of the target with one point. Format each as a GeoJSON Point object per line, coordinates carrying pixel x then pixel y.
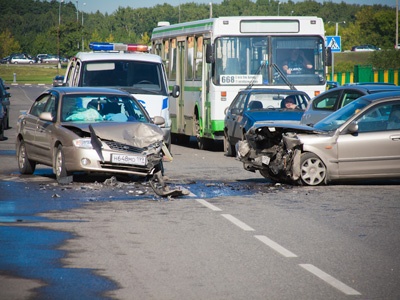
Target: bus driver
{"type": "Point", "coordinates": [297, 63]}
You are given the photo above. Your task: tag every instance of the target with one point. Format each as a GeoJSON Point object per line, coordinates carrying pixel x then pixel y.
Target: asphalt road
{"type": "Point", "coordinates": [236, 236]}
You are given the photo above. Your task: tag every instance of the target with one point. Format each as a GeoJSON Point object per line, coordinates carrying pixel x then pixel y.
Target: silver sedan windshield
{"type": "Point", "coordinates": [336, 119]}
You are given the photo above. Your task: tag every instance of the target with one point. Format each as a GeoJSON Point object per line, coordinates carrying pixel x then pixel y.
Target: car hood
{"type": "Point", "coordinates": [285, 127]}
{"type": "Point", "coordinates": [132, 133]}
{"type": "Point", "coordinates": [274, 114]}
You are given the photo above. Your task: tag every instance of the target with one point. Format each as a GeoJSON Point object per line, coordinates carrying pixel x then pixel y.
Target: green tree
{"type": "Point", "coordinates": [8, 44]}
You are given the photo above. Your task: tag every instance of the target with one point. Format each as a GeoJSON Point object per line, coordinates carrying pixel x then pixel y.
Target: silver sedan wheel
{"type": "Point", "coordinates": [313, 170]}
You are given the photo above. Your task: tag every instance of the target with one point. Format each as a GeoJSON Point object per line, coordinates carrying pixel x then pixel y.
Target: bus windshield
{"type": "Point", "coordinates": [265, 60]}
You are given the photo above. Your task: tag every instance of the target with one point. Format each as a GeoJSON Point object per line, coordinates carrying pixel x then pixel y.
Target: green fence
{"type": "Point", "coordinates": [366, 74]}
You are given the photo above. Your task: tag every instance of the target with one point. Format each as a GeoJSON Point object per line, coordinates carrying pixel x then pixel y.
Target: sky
{"type": "Point", "coordinates": [110, 6]}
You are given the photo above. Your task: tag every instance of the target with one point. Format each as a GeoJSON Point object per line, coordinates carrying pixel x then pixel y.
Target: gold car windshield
{"type": "Point", "coordinates": [97, 108]}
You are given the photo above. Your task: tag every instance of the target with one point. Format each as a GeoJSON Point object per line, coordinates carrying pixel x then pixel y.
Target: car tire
{"type": "Point", "coordinates": [25, 165]}
{"type": "Point", "coordinates": [228, 148]}
{"type": "Point", "coordinates": [62, 175]}
{"type": "Point", "coordinates": [268, 175]}
{"type": "Point", "coordinates": [313, 170]}
{"type": "Point", "coordinates": [2, 131]}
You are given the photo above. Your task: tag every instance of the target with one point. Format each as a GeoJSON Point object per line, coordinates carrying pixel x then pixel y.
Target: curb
{"type": "Point", "coordinates": [39, 84]}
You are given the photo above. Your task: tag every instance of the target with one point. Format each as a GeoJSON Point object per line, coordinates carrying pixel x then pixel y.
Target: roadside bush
{"type": "Point", "coordinates": [385, 59]}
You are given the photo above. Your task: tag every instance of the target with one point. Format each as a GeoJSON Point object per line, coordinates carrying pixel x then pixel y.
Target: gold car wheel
{"type": "Point", "coordinates": [62, 175]}
{"type": "Point", "coordinates": [26, 166]}
{"type": "Point", "coordinates": [313, 170]}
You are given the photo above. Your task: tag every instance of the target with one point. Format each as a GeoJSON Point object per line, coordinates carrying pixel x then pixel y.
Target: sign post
{"type": "Point", "coordinates": [334, 42]}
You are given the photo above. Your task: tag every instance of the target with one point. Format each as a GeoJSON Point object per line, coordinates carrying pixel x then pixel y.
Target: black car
{"type": "Point", "coordinates": [58, 80]}
{"type": "Point", "coordinates": [367, 47]}
{"type": "Point", "coordinates": [5, 103]}
{"type": "Point", "coordinates": [5, 60]}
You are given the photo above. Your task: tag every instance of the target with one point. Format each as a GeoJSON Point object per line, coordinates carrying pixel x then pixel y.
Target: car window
{"type": "Point", "coordinates": [350, 96]}
{"type": "Point", "coordinates": [394, 118]}
{"type": "Point", "coordinates": [326, 102]}
{"type": "Point", "coordinates": [380, 118]}
{"type": "Point", "coordinates": [39, 105]}
{"type": "Point", "coordinates": [51, 106]}
{"type": "Point", "coordinates": [238, 104]}
{"type": "Point", "coordinates": [99, 108]}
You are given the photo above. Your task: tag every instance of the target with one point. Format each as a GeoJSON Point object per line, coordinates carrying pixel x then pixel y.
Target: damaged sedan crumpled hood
{"type": "Point", "coordinates": [136, 134]}
{"type": "Point", "coordinates": [273, 149]}
{"type": "Point", "coordinates": [285, 127]}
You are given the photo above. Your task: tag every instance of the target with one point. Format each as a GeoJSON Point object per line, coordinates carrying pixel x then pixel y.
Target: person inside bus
{"type": "Point", "coordinates": [296, 63]}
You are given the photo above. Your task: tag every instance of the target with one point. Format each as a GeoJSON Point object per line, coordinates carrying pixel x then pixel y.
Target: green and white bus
{"type": "Point", "coordinates": [212, 59]}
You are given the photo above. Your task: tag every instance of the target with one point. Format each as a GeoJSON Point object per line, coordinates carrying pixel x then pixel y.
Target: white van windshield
{"type": "Point", "coordinates": [133, 76]}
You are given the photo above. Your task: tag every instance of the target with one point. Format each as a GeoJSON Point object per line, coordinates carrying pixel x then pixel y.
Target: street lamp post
{"type": "Point", "coordinates": [333, 55]}
{"type": "Point", "coordinates": [58, 35]}
{"type": "Point", "coordinates": [337, 26]}
{"type": "Point", "coordinates": [279, 3]}
{"type": "Point", "coordinates": [77, 12]}
{"type": "Point", "coordinates": [83, 47]}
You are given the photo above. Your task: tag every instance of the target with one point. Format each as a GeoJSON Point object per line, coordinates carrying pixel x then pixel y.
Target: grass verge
{"type": "Point", "coordinates": [35, 74]}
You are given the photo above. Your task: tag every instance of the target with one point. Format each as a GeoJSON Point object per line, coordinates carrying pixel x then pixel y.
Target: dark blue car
{"type": "Point", "coordinates": [254, 105]}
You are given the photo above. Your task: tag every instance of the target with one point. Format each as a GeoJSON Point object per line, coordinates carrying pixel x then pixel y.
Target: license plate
{"type": "Point", "coordinates": [129, 159]}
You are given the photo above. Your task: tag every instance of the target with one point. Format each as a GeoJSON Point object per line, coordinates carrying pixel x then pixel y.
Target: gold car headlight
{"type": "Point", "coordinates": [83, 143]}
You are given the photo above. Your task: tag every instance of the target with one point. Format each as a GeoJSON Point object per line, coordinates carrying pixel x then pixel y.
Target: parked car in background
{"type": "Point", "coordinates": [39, 57]}
{"type": "Point", "coordinates": [367, 47]}
{"type": "Point", "coordinates": [58, 80]}
{"type": "Point", "coordinates": [359, 141]}
{"type": "Point", "coordinates": [89, 130]}
{"type": "Point", "coordinates": [329, 101]}
{"type": "Point", "coordinates": [21, 58]}
{"type": "Point", "coordinates": [253, 105]}
{"type": "Point", "coordinates": [50, 59]}
{"type": "Point", "coordinates": [5, 60]}
{"type": "Point", "coordinates": [5, 103]}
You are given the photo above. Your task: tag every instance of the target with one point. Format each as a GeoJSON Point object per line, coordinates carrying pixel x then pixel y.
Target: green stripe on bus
{"type": "Point", "coordinates": [157, 30]}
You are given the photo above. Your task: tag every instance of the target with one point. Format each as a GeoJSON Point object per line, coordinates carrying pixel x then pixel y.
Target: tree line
{"type": "Point", "coordinates": [33, 26]}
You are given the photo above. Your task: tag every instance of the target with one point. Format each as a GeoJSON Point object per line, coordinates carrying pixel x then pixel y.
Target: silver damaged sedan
{"type": "Point", "coordinates": [89, 130]}
{"type": "Point", "coordinates": [359, 141]}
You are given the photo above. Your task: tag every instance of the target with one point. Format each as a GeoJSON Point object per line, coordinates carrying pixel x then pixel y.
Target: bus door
{"type": "Point", "coordinates": [180, 80]}
{"type": "Point", "coordinates": [205, 92]}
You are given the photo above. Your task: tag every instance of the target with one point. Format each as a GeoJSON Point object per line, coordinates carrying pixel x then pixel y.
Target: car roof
{"type": "Point", "coordinates": [382, 96]}
{"type": "Point", "coordinates": [272, 91]}
{"type": "Point", "coordinates": [94, 90]}
{"type": "Point", "coordinates": [95, 56]}
{"type": "Point", "coordinates": [366, 88]}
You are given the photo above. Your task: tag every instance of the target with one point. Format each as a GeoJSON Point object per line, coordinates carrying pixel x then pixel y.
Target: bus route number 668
{"type": "Point", "coordinates": [227, 79]}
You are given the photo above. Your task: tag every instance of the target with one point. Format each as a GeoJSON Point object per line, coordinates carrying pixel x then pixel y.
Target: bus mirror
{"type": "Point", "coordinates": [176, 90]}
{"type": "Point", "coordinates": [328, 57]}
{"type": "Point", "coordinates": [209, 54]}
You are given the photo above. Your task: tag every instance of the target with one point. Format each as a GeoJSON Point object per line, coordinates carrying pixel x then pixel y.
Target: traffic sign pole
{"type": "Point", "coordinates": [334, 42]}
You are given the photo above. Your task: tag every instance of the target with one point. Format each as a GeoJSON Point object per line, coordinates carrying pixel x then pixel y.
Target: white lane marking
{"type": "Point", "coordinates": [237, 222]}
{"type": "Point", "coordinates": [278, 248]}
{"type": "Point", "coordinates": [209, 205]}
{"type": "Point", "coordinates": [330, 280]}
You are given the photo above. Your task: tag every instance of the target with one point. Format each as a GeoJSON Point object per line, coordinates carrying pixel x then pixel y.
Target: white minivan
{"type": "Point", "coordinates": [129, 67]}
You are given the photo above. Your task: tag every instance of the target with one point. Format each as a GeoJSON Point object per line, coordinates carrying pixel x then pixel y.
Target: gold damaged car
{"type": "Point", "coordinates": [89, 130]}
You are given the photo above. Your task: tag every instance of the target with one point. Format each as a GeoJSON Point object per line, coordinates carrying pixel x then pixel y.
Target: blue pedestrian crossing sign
{"type": "Point", "coordinates": [334, 42]}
